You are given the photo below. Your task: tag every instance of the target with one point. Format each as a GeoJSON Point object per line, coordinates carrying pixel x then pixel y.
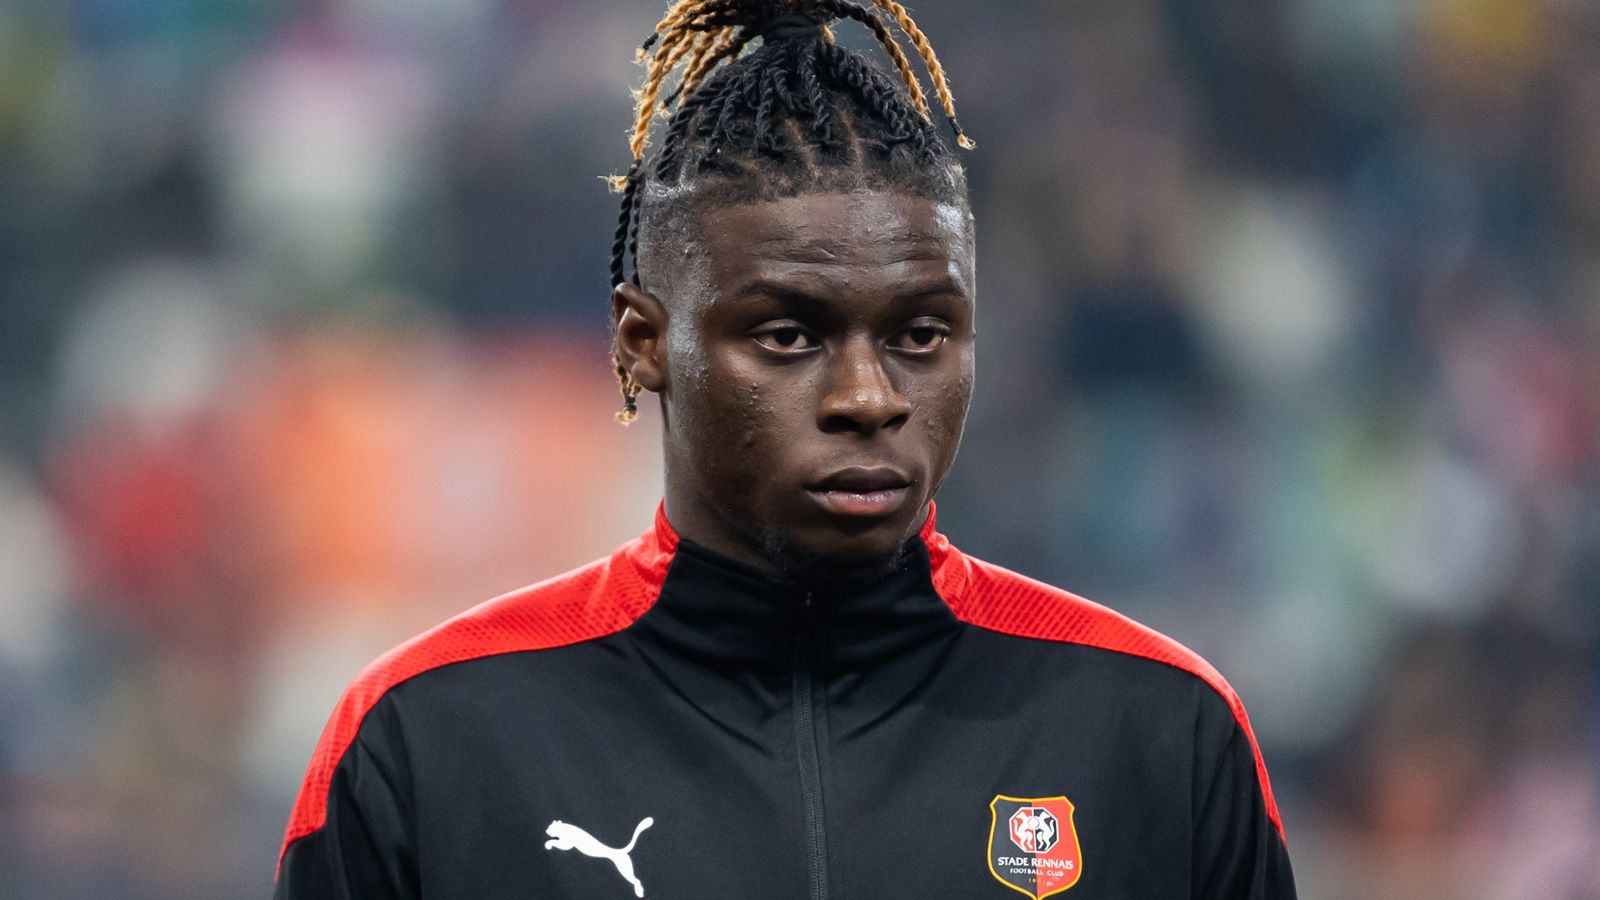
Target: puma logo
{"type": "Point", "coordinates": [566, 836]}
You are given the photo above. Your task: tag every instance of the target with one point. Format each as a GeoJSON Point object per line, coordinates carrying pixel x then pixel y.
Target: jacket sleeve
{"type": "Point", "coordinates": [364, 848]}
{"type": "Point", "coordinates": [1239, 849]}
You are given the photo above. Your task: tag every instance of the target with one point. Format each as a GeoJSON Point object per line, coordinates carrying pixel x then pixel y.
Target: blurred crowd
{"type": "Point", "coordinates": [1290, 346]}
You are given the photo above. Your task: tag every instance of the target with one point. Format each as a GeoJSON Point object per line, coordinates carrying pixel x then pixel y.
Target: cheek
{"type": "Point", "coordinates": [747, 410]}
{"type": "Point", "coordinates": [730, 419]}
{"type": "Point", "coordinates": [756, 402]}
{"type": "Point", "coordinates": [947, 403]}
{"type": "Point", "coordinates": [688, 368]}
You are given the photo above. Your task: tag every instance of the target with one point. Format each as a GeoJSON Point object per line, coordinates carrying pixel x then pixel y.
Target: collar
{"type": "Point", "coordinates": [732, 615]}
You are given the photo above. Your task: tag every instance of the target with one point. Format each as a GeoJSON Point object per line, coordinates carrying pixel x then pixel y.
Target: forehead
{"type": "Point", "coordinates": [848, 241]}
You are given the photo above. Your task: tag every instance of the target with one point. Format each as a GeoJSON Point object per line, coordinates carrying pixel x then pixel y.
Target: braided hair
{"type": "Point", "coordinates": [793, 113]}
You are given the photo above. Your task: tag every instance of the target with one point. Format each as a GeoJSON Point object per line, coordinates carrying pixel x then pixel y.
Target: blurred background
{"type": "Point", "coordinates": [1290, 347]}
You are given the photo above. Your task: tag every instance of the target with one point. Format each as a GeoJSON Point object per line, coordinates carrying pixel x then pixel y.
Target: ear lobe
{"type": "Point", "coordinates": [639, 322]}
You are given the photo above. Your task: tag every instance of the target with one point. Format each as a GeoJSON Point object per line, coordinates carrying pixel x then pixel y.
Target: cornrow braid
{"type": "Point", "coordinates": [792, 112]}
{"type": "Point", "coordinates": [886, 38]}
{"type": "Point", "coordinates": [941, 84]}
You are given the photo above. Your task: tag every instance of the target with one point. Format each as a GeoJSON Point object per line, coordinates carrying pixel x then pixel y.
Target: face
{"type": "Point", "coordinates": [814, 358]}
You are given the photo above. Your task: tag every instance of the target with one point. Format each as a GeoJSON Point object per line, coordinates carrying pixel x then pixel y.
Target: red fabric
{"type": "Point", "coordinates": [601, 598]}
{"type": "Point", "coordinates": [608, 595]}
{"type": "Point", "coordinates": [998, 599]}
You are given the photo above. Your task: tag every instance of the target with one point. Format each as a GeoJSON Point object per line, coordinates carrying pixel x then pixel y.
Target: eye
{"type": "Point", "coordinates": [921, 337]}
{"type": "Point", "coordinates": [784, 337]}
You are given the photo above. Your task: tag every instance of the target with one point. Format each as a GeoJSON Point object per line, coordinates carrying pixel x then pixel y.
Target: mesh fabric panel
{"type": "Point", "coordinates": [996, 598]}
{"type": "Point", "coordinates": [598, 599]}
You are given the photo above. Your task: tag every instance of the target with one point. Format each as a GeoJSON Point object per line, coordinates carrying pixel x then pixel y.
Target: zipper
{"type": "Point", "coordinates": [805, 734]}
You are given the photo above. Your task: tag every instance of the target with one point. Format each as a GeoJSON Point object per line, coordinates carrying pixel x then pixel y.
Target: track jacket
{"type": "Point", "coordinates": [669, 723]}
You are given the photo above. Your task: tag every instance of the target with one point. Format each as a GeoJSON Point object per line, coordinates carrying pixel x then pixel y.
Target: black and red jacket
{"type": "Point", "coordinates": [670, 723]}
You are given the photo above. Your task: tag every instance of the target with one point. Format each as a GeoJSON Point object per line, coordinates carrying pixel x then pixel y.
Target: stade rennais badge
{"type": "Point", "coordinates": [1033, 845]}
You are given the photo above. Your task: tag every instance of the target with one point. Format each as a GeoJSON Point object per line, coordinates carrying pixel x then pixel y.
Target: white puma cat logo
{"type": "Point", "coordinates": [566, 836]}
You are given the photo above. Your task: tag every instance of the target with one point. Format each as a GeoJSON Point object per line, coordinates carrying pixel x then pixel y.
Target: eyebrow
{"type": "Point", "coordinates": [789, 293]}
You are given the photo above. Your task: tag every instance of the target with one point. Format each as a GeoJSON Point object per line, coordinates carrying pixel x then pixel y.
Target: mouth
{"type": "Point", "coordinates": [862, 492]}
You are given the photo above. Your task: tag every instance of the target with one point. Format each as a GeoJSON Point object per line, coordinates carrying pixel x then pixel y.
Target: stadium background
{"type": "Point", "coordinates": [1290, 347]}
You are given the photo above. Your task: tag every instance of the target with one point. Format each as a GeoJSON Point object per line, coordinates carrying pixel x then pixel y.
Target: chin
{"type": "Point", "coordinates": [854, 558]}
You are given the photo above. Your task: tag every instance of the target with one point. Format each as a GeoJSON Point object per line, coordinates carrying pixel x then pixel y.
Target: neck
{"type": "Point", "coordinates": [704, 525]}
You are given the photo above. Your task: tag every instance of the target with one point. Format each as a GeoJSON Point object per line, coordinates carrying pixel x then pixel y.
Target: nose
{"type": "Point", "coordinates": [859, 395]}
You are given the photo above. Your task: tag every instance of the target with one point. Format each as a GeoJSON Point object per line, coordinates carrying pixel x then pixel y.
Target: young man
{"type": "Point", "coordinates": [792, 685]}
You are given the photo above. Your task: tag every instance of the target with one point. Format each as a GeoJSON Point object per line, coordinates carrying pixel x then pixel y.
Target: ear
{"type": "Point", "coordinates": [640, 323]}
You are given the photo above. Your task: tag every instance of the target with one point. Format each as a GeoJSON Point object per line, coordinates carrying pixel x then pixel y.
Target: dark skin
{"type": "Point", "coordinates": [814, 360]}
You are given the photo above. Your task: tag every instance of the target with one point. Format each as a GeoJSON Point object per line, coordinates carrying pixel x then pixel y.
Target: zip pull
{"type": "Point", "coordinates": [803, 617]}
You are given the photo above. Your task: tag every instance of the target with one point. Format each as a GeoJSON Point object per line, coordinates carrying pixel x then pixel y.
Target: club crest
{"type": "Point", "coordinates": [1033, 844]}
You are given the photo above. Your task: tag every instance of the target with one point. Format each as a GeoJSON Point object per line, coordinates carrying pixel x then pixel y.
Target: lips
{"type": "Point", "coordinates": [862, 491]}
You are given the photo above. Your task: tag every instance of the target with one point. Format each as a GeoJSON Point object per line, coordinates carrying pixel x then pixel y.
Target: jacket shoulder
{"type": "Point", "coordinates": [589, 602]}
{"type": "Point", "coordinates": [997, 599]}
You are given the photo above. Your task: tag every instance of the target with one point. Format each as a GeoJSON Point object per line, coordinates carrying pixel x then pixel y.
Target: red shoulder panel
{"type": "Point", "coordinates": [999, 599]}
{"type": "Point", "coordinates": [598, 599]}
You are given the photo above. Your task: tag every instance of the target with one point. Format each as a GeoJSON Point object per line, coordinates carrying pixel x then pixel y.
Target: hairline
{"type": "Point", "coordinates": [685, 203]}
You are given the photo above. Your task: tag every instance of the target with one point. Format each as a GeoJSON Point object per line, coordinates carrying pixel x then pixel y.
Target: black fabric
{"type": "Point", "coordinates": [691, 717]}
